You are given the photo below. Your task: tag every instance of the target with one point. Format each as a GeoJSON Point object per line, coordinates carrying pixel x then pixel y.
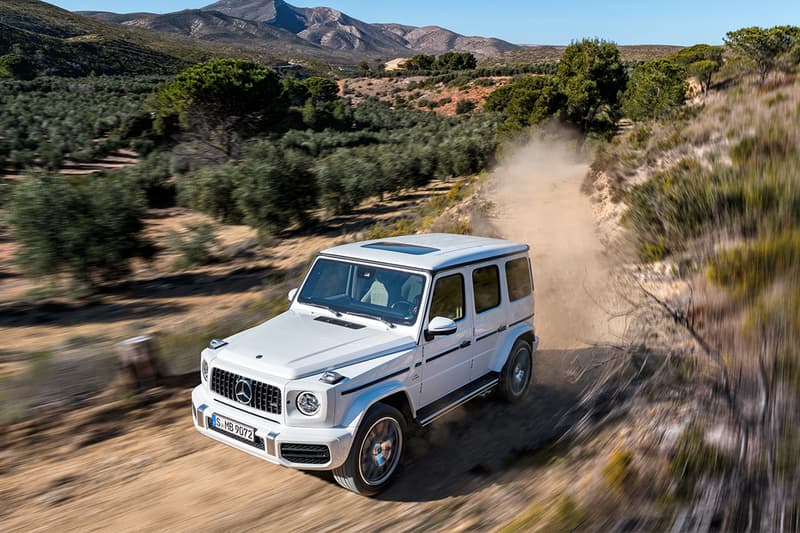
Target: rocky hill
{"type": "Point", "coordinates": [66, 43]}
{"type": "Point", "coordinates": [275, 23]}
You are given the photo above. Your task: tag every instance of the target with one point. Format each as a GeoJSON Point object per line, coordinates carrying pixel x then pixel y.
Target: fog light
{"type": "Point", "coordinates": [307, 403]}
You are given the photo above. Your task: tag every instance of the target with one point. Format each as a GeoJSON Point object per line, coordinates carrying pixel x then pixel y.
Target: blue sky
{"type": "Point", "coordinates": [681, 22]}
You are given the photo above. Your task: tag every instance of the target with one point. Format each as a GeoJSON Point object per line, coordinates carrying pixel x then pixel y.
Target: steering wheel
{"type": "Point", "coordinates": [403, 307]}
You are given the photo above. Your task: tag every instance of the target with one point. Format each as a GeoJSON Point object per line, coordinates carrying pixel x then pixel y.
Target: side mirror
{"type": "Point", "coordinates": [440, 326]}
{"type": "Point", "coordinates": [292, 294]}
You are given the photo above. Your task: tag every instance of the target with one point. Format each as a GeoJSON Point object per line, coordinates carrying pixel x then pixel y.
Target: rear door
{"type": "Point", "coordinates": [490, 316]}
{"type": "Point", "coordinates": [447, 358]}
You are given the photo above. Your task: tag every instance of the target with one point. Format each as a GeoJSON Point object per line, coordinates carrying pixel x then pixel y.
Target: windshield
{"type": "Point", "coordinates": [382, 293]}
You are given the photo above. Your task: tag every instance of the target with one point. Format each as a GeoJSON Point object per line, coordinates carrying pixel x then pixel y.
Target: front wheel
{"type": "Point", "coordinates": [376, 452]}
{"type": "Point", "coordinates": [516, 374]}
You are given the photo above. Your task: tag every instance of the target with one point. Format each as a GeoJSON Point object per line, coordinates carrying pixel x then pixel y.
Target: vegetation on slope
{"type": "Point", "coordinates": [714, 192]}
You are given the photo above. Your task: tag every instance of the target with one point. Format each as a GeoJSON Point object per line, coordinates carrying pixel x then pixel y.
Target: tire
{"type": "Point", "coordinates": [363, 472]}
{"type": "Point", "coordinates": [516, 375]}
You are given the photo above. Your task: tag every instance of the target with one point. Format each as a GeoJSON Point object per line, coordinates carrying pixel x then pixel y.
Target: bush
{"type": "Point", "coordinates": [750, 268]}
{"type": "Point", "coordinates": [464, 107]}
{"type": "Point", "coordinates": [89, 228]}
{"type": "Point", "coordinates": [195, 248]}
{"type": "Point", "coordinates": [211, 190]}
{"type": "Point", "coordinates": [694, 459]}
{"type": "Point", "coordinates": [152, 175]}
{"type": "Point", "coordinates": [275, 188]}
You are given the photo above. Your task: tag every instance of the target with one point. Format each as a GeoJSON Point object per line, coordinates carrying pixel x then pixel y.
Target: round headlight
{"type": "Point", "coordinates": [307, 403]}
{"type": "Point", "coordinates": [204, 370]}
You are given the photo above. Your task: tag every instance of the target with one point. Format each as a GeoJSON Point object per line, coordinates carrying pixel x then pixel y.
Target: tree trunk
{"type": "Point", "coordinates": [140, 365]}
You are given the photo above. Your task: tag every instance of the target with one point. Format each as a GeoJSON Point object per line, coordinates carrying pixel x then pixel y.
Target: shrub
{"type": "Point", "coordinates": [194, 248]}
{"type": "Point", "coordinates": [749, 268]}
{"type": "Point", "coordinates": [618, 469]}
{"type": "Point", "coordinates": [88, 227]}
{"type": "Point", "coordinates": [275, 188]}
{"type": "Point", "coordinates": [464, 106]}
{"type": "Point", "coordinates": [694, 459]}
{"type": "Point", "coordinates": [211, 190]}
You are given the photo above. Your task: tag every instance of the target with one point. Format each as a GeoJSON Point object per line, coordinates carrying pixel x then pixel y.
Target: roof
{"type": "Point", "coordinates": [432, 251]}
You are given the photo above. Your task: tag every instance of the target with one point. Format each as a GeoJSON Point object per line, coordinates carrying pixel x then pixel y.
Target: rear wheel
{"type": "Point", "coordinates": [517, 373]}
{"type": "Point", "coordinates": [376, 452]}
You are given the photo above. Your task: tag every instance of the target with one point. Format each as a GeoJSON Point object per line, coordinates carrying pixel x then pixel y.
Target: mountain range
{"type": "Point", "coordinates": [263, 23]}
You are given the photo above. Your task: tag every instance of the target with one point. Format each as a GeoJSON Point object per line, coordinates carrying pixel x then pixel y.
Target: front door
{"type": "Point", "coordinates": [447, 358]}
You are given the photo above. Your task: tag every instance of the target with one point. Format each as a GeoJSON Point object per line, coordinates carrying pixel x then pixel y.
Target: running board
{"type": "Point", "coordinates": [460, 396]}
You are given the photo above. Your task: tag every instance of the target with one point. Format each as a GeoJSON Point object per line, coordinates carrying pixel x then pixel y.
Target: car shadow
{"type": "Point", "coordinates": [22, 314]}
{"type": "Point", "coordinates": [477, 443]}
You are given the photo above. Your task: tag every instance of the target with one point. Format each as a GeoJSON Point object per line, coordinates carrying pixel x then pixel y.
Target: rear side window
{"type": "Point", "coordinates": [518, 277]}
{"type": "Point", "coordinates": [448, 298]}
{"type": "Point", "coordinates": [486, 288]}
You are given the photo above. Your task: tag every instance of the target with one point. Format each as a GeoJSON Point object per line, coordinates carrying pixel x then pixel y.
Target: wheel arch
{"type": "Point", "coordinates": [522, 331]}
{"type": "Point", "coordinates": [393, 394]}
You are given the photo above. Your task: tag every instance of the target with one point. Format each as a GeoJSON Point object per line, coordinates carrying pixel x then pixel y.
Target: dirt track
{"type": "Point", "coordinates": [140, 465]}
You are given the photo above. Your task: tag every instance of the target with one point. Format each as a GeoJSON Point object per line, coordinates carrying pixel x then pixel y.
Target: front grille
{"type": "Point", "coordinates": [305, 454]}
{"type": "Point", "coordinates": [265, 397]}
{"type": "Point", "coordinates": [258, 443]}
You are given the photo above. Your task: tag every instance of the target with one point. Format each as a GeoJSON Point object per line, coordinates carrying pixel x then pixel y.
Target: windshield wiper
{"type": "Point", "coordinates": [323, 306]}
{"type": "Point", "coordinates": [373, 317]}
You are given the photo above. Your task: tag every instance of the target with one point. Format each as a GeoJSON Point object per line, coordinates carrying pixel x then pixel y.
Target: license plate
{"type": "Point", "coordinates": [234, 428]}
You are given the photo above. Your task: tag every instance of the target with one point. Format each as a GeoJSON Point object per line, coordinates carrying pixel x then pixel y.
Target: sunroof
{"type": "Point", "coordinates": [401, 248]}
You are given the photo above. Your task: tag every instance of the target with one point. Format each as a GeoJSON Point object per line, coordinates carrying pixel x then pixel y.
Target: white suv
{"type": "Point", "coordinates": [381, 335]}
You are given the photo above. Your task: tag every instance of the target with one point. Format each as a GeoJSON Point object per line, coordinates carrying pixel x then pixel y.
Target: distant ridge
{"type": "Point", "coordinates": [261, 23]}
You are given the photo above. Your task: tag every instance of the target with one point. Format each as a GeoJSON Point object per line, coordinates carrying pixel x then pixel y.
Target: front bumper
{"type": "Point", "coordinates": [270, 435]}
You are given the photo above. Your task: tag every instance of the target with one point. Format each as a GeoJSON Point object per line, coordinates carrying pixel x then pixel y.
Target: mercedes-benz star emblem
{"type": "Point", "coordinates": [244, 391]}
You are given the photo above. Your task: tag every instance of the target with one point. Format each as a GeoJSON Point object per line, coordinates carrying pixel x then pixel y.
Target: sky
{"type": "Point", "coordinates": [680, 22]}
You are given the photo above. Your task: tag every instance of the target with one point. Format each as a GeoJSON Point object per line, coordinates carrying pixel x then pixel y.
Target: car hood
{"type": "Point", "coordinates": [295, 345]}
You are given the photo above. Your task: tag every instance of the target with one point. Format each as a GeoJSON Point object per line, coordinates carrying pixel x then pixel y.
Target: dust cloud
{"type": "Point", "coordinates": [537, 193]}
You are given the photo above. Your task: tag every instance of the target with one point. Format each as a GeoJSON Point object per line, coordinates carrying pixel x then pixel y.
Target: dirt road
{"type": "Point", "coordinates": [139, 465]}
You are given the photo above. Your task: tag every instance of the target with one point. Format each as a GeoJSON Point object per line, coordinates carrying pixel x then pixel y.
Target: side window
{"type": "Point", "coordinates": [518, 276]}
{"type": "Point", "coordinates": [486, 288]}
{"type": "Point", "coordinates": [448, 298]}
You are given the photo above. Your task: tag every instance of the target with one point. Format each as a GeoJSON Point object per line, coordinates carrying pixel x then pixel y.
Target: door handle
{"type": "Point", "coordinates": [465, 344]}
{"type": "Point", "coordinates": [501, 329]}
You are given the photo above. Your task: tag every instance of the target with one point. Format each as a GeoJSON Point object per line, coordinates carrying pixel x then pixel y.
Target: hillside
{"type": "Point", "coordinates": [70, 44]}
{"type": "Point", "coordinates": [277, 24]}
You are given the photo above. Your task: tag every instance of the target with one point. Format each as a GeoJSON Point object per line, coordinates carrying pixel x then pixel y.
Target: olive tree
{"type": "Point", "coordinates": [89, 228]}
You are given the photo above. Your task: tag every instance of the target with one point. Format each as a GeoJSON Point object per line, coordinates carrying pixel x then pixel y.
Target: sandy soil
{"type": "Point", "coordinates": [161, 298]}
{"type": "Point", "coordinates": [138, 465]}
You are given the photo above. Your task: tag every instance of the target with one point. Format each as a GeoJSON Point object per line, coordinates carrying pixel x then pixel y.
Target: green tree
{"type": "Point", "coordinates": [420, 62]}
{"type": "Point", "coordinates": [222, 101]}
{"type": "Point", "coordinates": [701, 61]}
{"type": "Point", "coordinates": [763, 48]}
{"type": "Point", "coordinates": [656, 88]}
{"type": "Point", "coordinates": [592, 78]}
{"type": "Point", "coordinates": [17, 67]}
{"type": "Point", "coordinates": [456, 61]}
{"type": "Point", "coordinates": [295, 92]}
{"type": "Point", "coordinates": [89, 228]}
{"type": "Point", "coordinates": [321, 89]}
{"type": "Point", "coordinates": [363, 68]}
